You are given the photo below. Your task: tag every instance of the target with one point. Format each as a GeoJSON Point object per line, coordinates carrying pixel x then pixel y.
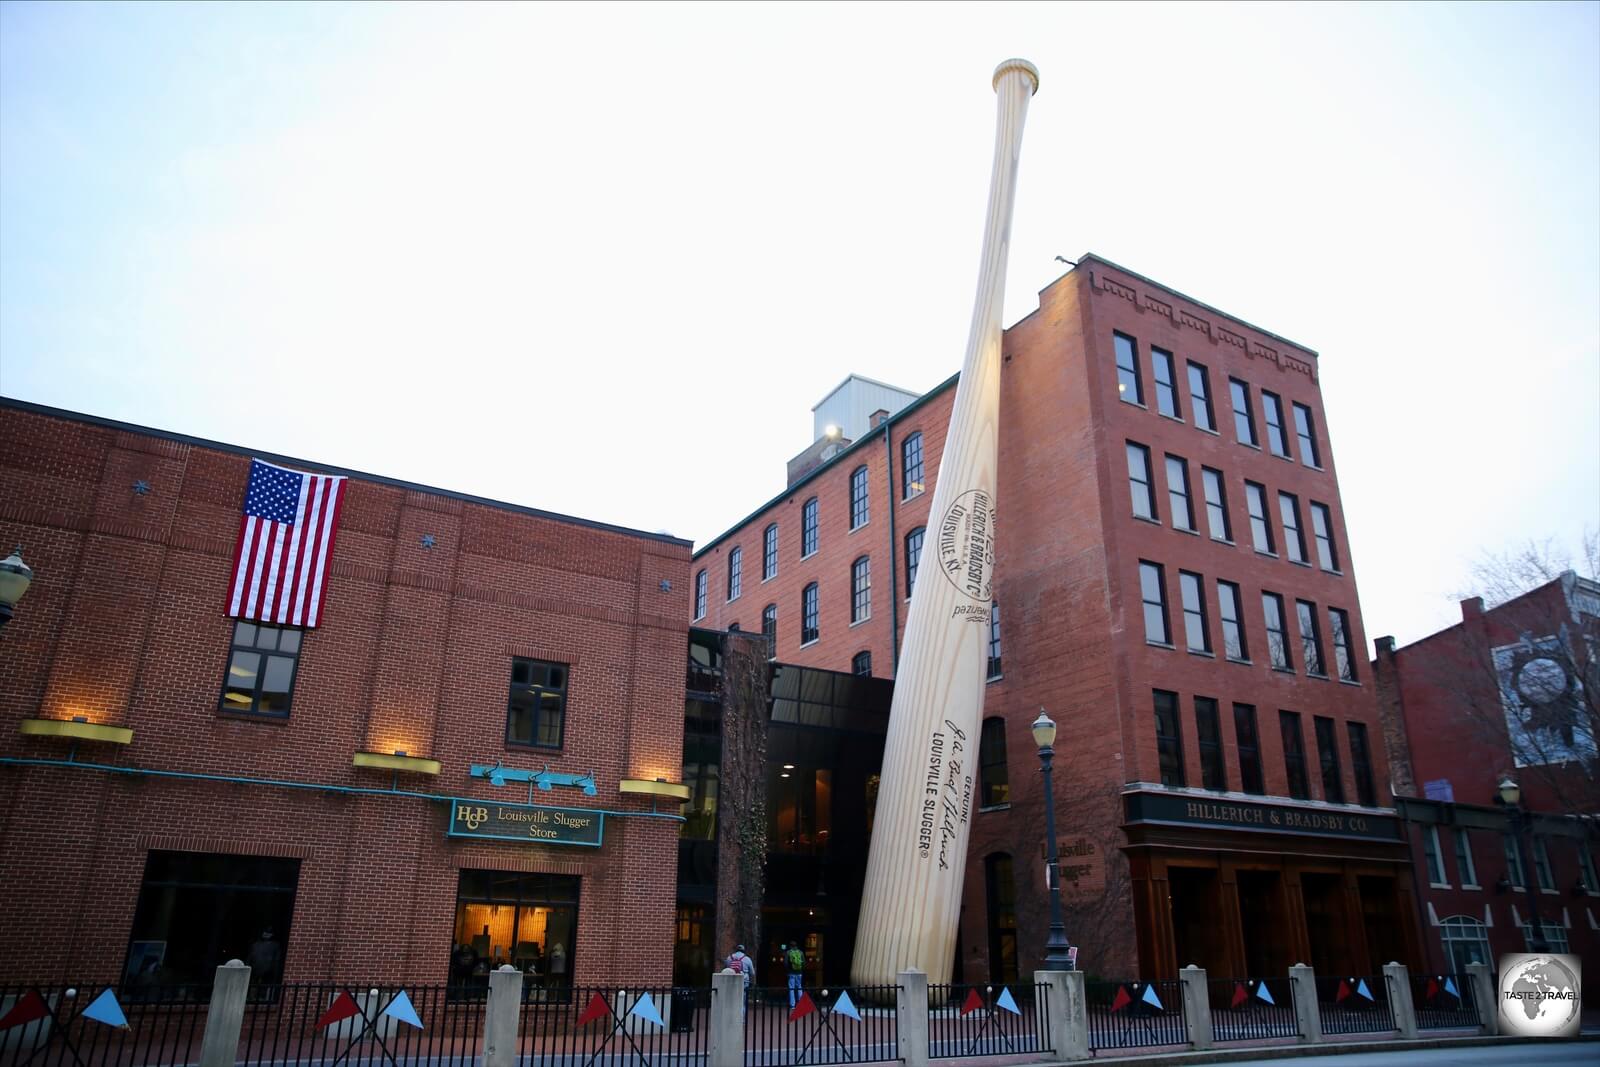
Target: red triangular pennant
{"type": "Point", "coordinates": [802, 1007]}
{"type": "Point", "coordinates": [1433, 988]}
{"type": "Point", "coordinates": [1122, 999]}
{"type": "Point", "coordinates": [1344, 991]}
{"type": "Point", "coordinates": [596, 1009]}
{"type": "Point", "coordinates": [1239, 995]}
{"type": "Point", "coordinates": [972, 1003]}
{"type": "Point", "coordinates": [30, 1007]}
{"type": "Point", "coordinates": [343, 1007]}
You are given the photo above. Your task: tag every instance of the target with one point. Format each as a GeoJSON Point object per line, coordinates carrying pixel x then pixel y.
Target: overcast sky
{"type": "Point", "coordinates": [603, 259]}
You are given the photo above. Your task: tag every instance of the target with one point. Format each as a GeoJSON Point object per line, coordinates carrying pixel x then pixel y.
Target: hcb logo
{"type": "Point", "coordinates": [473, 817]}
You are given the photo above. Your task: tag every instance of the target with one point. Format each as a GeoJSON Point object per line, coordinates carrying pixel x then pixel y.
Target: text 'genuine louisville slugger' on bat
{"type": "Point", "coordinates": [911, 902]}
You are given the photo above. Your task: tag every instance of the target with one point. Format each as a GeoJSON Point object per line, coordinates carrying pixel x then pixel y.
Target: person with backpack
{"type": "Point", "coordinates": [795, 960]}
{"type": "Point", "coordinates": [739, 963]}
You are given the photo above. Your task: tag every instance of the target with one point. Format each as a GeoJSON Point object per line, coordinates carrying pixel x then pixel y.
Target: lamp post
{"type": "Point", "coordinates": [1510, 797]}
{"type": "Point", "coordinates": [1055, 946]}
{"type": "Point", "coordinates": [15, 577]}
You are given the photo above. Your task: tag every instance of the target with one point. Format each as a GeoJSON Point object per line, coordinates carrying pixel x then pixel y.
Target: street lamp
{"type": "Point", "coordinates": [1511, 797]}
{"type": "Point", "coordinates": [1055, 946]}
{"type": "Point", "coordinates": [15, 577]}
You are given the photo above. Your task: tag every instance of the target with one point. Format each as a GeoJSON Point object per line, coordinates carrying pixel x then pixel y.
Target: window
{"type": "Point", "coordinates": [733, 627]}
{"type": "Point", "coordinates": [994, 640]}
{"type": "Point", "coordinates": [1586, 876]}
{"type": "Point", "coordinates": [861, 590]}
{"type": "Point", "coordinates": [1129, 386]}
{"type": "Point", "coordinates": [1322, 530]}
{"type": "Point", "coordinates": [1178, 493]}
{"type": "Point", "coordinates": [1169, 745]}
{"type": "Point", "coordinates": [1244, 734]}
{"type": "Point", "coordinates": [1361, 763]}
{"type": "Point", "coordinates": [1216, 505]}
{"type": "Point", "coordinates": [700, 595]}
{"type": "Point", "coordinates": [1208, 731]}
{"type": "Point", "coordinates": [1308, 439]}
{"type": "Point", "coordinates": [1310, 638]}
{"type": "Point", "coordinates": [1343, 661]}
{"type": "Point", "coordinates": [769, 553]}
{"type": "Point", "coordinates": [1200, 397]}
{"type": "Point", "coordinates": [194, 904]}
{"type": "Point", "coordinates": [261, 669]}
{"type": "Point", "coordinates": [994, 781]}
{"type": "Point", "coordinates": [1001, 894]}
{"type": "Point", "coordinates": [808, 614]}
{"type": "Point", "coordinates": [1465, 869]}
{"type": "Point", "coordinates": [1144, 501]}
{"type": "Point", "coordinates": [1514, 871]}
{"type": "Point", "coordinates": [800, 811]}
{"type": "Point", "coordinates": [858, 498]}
{"type": "Point", "coordinates": [1431, 857]}
{"type": "Point", "coordinates": [1328, 759]}
{"type": "Point", "coordinates": [735, 573]}
{"type": "Point", "coordinates": [1277, 437]}
{"type": "Point", "coordinates": [1277, 638]}
{"type": "Point", "coordinates": [1294, 542]}
{"type": "Point", "coordinates": [1166, 385]}
{"type": "Point", "coordinates": [1555, 937]}
{"type": "Point", "coordinates": [913, 557]}
{"type": "Point", "coordinates": [1244, 421]}
{"type": "Point", "coordinates": [1152, 587]}
{"type": "Point", "coordinates": [808, 527]}
{"type": "Point", "coordinates": [1233, 643]}
{"type": "Point", "coordinates": [536, 709]}
{"type": "Point", "coordinates": [769, 628]}
{"type": "Point", "coordinates": [862, 664]}
{"type": "Point", "coordinates": [1196, 634]}
{"type": "Point", "coordinates": [1466, 941]}
{"type": "Point", "coordinates": [1541, 865]}
{"type": "Point", "coordinates": [911, 465]}
{"type": "Point", "coordinates": [525, 920]}
{"type": "Point", "coordinates": [1255, 496]}
{"type": "Point", "coordinates": [1294, 755]}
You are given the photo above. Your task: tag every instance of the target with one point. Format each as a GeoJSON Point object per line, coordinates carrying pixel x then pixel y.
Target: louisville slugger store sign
{"type": "Point", "coordinates": [525, 822]}
{"type": "Point", "coordinates": [1182, 810]}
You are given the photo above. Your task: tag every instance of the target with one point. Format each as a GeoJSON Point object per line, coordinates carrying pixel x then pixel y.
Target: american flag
{"type": "Point", "coordinates": [285, 540]}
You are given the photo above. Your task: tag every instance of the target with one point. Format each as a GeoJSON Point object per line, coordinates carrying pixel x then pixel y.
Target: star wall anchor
{"type": "Point", "coordinates": [499, 774]}
{"type": "Point", "coordinates": [428, 541]}
{"type": "Point", "coordinates": [141, 487]}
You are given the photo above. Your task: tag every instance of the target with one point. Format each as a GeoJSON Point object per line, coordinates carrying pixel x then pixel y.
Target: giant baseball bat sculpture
{"type": "Point", "coordinates": [911, 902]}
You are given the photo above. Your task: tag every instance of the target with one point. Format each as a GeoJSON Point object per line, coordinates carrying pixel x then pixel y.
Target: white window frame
{"type": "Point", "coordinates": [1434, 859]}
{"type": "Point", "coordinates": [1466, 866]}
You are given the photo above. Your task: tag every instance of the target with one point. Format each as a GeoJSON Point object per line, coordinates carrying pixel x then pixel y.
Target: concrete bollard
{"type": "Point", "coordinates": [224, 1019]}
{"type": "Point", "coordinates": [911, 1011]}
{"type": "Point", "coordinates": [1196, 1006]}
{"type": "Point", "coordinates": [500, 1016]}
{"type": "Point", "coordinates": [1066, 1008]}
{"type": "Point", "coordinates": [1481, 979]}
{"type": "Point", "coordinates": [1401, 1005]}
{"type": "Point", "coordinates": [1303, 983]}
{"type": "Point", "coordinates": [725, 1043]}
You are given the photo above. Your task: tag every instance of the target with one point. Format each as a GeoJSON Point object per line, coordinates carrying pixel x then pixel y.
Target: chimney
{"type": "Point", "coordinates": [876, 418]}
{"type": "Point", "coordinates": [1385, 646]}
{"type": "Point", "coordinates": [1471, 608]}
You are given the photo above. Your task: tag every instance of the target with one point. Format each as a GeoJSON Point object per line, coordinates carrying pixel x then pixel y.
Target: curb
{"type": "Point", "coordinates": [1325, 1048]}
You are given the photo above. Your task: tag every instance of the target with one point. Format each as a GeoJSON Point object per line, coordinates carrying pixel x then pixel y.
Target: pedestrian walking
{"type": "Point", "coordinates": [740, 963]}
{"type": "Point", "coordinates": [795, 960]}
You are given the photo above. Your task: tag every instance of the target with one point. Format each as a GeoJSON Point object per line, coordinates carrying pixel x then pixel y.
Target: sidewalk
{"type": "Point", "coordinates": [1245, 1053]}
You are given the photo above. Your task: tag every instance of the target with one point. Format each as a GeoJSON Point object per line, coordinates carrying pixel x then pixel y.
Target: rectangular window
{"type": "Point", "coordinates": [1178, 493]}
{"type": "Point", "coordinates": [1166, 385]}
{"type": "Point", "coordinates": [1310, 638]}
{"type": "Point", "coordinates": [735, 573]}
{"type": "Point", "coordinates": [1343, 661]}
{"type": "Point", "coordinates": [1591, 884]}
{"type": "Point", "coordinates": [1322, 530]}
{"type": "Point", "coordinates": [1216, 505]}
{"type": "Point", "coordinates": [1328, 759]}
{"type": "Point", "coordinates": [527, 921]}
{"type": "Point", "coordinates": [1200, 397]}
{"type": "Point", "coordinates": [1233, 642]}
{"type": "Point", "coordinates": [858, 498]}
{"type": "Point", "coordinates": [1244, 734]}
{"type": "Point", "coordinates": [700, 595]}
{"type": "Point", "coordinates": [536, 710]}
{"type": "Point", "coordinates": [1255, 496]}
{"type": "Point", "coordinates": [1361, 763]}
{"type": "Point", "coordinates": [1541, 865]}
{"type": "Point", "coordinates": [913, 557]}
{"type": "Point", "coordinates": [1244, 420]}
{"type": "Point", "coordinates": [1277, 433]}
{"type": "Point", "coordinates": [261, 667]}
{"type": "Point", "coordinates": [1277, 635]}
{"type": "Point", "coordinates": [861, 590]}
{"type": "Point", "coordinates": [862, 664]}
{"type": "Point", "coordinates": [1308, 438]}
{"type": "Point", "coordinates": [1430, 856]}
{"type": "Point", "coordinates": [1196, 634]}
{"type": "Point", "coordinates": [1465, 870]}
{"type": "Point", "coordinates": [800, 810]}
{"type": "Point", "coordinates": [1129, 386]}
{"type": "Point", "coordinates": [769, 553]}
{"type": "Point", "coordinates": [1555, 937]}
{"type": "Point", "coordinates": [1294, 542]}
{"type": "Point", "coordinates": [1169, 744]}
{"type": "Point", "coordinates": [994, 640]}
{"type": "Point", "coordinates": [911, 465]}
{"type": "Point", "coordinates": [1208, 731]}
{"type": "Point", "coordinates": [1514, 872]}
{"type": "Point", "coordinates": [1153, 590]}
{"type": "Point", "coordinates": [1144, 500]}
{"type": "Point", "coordinates": [994, 779]}
{"type": "Point", "coordinates": [808, 614]}
{"type": "Point", "coordinates": [769, 628]}
{"type": "Point", "coordinates": [1294, 755]}
{"type": "Point", "coordinates": [808, 527]}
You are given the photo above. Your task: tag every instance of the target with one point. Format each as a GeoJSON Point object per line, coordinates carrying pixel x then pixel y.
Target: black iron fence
{"type": "Point", "coordinates": [96, 1024]}
{"type": "Point", "coordinates": [1252, 1009]}
{"type": "Point", "coordinates": [1135, 1014]}
{"type": "Point", "coordinates": [594, 1026]}
{"type": "Point", "coordinates": [851, 1024]}
{"type": "Point", "coordinates": [314, 1023]}
{"type": "Point", "coordinates": [1358, 1004]}
{"type": "Point", "coordinates": [1444, 1001]}
{"type": "Point", "coordinates": [987, 1020]}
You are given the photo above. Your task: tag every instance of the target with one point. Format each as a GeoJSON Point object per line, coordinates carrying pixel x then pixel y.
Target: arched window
{"type": "Point", "coordinates": [700, 595]}
{"type": "Point", "coordinates": [808, 614]}
{"type": "Point", "coordinates": [913, 557]}
{"type": "Point", "coordinates": [1466, 940]}
{"type": "Point", "coordinates": [862, 663]}
{"type": "Point", "coordinates": [858, 497]}
{"type": "Point", "coordinates": [769, 553]}
{"type": "Point", "coordinates": [1001, 898]}
{"type": "Point", "coordinates": [735, 573]}
{"type": "Point", "coordinates": [808, 527]}
{"type": "Point", "coordinates": [994, 781]}
{"type": "Point", "coordinates": [861, 590]}
{"type": "Point", "coordinates": [911, 465]}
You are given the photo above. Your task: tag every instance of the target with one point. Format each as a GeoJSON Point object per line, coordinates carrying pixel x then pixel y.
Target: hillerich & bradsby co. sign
{"type": "Point", "coordinates": [1152, 807]}
{"type": "Point", "coordinates": [525, 822]}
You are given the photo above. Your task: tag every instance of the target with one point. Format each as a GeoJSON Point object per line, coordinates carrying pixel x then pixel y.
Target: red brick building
{"type": "Point", "coordinates": [1505, 693]}
{"type": "Point", "coordinates": [1219, 783]}
{"type": "Point", "coordinates": [218, 792]}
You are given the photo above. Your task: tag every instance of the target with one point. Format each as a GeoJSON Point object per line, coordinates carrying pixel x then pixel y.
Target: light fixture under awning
{"type": "Point", "coordinates": [398, 761]}
{"type": "Point", "coordinates": [658, 787]}
{"type": "Point", "coordinates": [77, 730]}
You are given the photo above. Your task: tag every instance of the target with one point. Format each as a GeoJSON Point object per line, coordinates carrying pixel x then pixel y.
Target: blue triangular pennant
{"type": "Point", "coordinates": [1264, 993]}
{"type": "Point", "coordinates": [1150, 998]}
{"type": "Point", "coordinates": [400, 1008]}
{"type": "Point", "coordinates": [105, 1009]}
{"type": "Point", "coordinates": [845, 1006]}
{"type": "Point", "coordinates": [1450, 987]}
{"type": "Point", "coordinates": [1007, 1002]}
{"type": "Point", "coordinates": [1361, 988]}
{"type": "Point", "coordinates": [645, 1008]}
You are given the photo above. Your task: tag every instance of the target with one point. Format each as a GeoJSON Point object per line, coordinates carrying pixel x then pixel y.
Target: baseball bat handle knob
{"type": "Point", "coordinates": [1022, 65]}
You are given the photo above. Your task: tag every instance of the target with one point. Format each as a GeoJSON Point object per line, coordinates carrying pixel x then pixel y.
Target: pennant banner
{"type": "Point", "coordinates": [1450, 987]}
{"type": "Point", "coordinates": [1361, 989]}
{"type": "Point", "coordinates": [1007, 1002]}
{"type": "Point", "coordinates": [1265, 994]}
{"type": "Point", "coordinates": [342, 1008]}
{"type": "Point", "coordinates": [30, 1007]}
{"type": "Point", "coordinates": [802, 1007]}
{"type": "Point", "coordinates": [1239, 995]}
{"type": "Point", "coordinates": [400, 1008]}
{"type": "Point", "coordinates": [1122, 999]}
{"type": "Point", "coordinates": [105, 1009]}
{"type": "Point", "coordinates": [1151, 999]}
{"type": "Point", "coordinates": [597, 1008]}
{"type": "Point", "coordinates": [845, 1006]}
{"type": "Point", "coordinates": [972, 1003]}
{"type": "Point", "coordinates": [646, 1009]}
{"type": "Point", "coordinates": [1342, 992]}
